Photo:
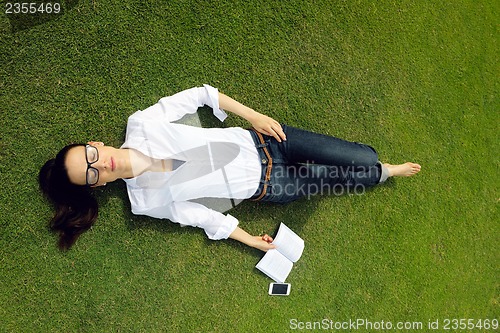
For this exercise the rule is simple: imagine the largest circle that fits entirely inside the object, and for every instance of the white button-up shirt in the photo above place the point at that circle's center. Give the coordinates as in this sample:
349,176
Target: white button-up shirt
218,164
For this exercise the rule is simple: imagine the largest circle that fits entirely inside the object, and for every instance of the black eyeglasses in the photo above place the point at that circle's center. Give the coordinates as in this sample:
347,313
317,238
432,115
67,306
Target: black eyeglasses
92,156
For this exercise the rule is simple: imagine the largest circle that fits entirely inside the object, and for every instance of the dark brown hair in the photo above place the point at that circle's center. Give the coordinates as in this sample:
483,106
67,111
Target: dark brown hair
76,209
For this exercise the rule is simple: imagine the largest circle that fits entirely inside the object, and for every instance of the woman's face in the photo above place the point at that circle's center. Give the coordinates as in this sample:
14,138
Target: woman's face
94,164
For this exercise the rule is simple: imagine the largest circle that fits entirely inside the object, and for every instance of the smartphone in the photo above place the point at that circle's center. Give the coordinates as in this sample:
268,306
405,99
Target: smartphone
281,289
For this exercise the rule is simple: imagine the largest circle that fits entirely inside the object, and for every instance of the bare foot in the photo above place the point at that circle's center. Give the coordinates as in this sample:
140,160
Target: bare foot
403,170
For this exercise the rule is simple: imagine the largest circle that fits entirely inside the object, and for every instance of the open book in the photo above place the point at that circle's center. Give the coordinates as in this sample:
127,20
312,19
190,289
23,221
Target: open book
277,263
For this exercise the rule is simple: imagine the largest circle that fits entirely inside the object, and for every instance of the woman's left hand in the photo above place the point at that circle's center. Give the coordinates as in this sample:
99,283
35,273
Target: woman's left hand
262,123
268,126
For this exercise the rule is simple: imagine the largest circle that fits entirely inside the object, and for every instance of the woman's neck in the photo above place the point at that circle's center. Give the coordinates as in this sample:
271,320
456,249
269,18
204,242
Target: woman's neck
138,163
125,156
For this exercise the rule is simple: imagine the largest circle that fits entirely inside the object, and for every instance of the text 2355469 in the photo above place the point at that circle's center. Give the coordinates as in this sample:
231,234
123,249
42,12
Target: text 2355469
32,8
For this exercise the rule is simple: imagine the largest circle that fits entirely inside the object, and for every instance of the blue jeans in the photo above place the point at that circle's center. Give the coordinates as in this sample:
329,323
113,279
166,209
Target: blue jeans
308,164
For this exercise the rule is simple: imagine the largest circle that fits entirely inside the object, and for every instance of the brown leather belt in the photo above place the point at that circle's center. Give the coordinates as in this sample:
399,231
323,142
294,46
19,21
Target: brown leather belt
269,166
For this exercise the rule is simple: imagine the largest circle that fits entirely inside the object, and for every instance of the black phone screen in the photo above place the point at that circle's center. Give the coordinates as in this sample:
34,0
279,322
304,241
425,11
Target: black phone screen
280,289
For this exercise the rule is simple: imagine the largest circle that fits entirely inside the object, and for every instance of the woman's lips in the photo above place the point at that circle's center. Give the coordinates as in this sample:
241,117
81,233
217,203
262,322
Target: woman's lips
113,165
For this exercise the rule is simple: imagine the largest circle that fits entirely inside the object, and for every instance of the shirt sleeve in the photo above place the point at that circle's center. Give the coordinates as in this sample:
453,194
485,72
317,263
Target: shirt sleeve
175,107
216,225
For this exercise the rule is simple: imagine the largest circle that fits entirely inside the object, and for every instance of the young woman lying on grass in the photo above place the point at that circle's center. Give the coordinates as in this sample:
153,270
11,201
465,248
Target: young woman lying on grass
169,167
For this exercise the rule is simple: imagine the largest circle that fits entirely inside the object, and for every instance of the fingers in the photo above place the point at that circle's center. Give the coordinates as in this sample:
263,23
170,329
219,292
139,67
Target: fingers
267,238
268,126
264,243
267,246
275,130
270,247
280,133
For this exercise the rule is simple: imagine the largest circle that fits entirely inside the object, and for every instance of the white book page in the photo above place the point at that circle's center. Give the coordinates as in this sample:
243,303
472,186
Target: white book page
275,265
289,243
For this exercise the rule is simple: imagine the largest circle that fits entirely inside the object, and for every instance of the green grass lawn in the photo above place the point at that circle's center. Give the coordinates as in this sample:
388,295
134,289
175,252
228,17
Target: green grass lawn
418,80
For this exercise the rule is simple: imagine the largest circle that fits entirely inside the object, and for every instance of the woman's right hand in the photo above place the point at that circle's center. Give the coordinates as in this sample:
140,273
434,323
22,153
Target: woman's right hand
263,243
